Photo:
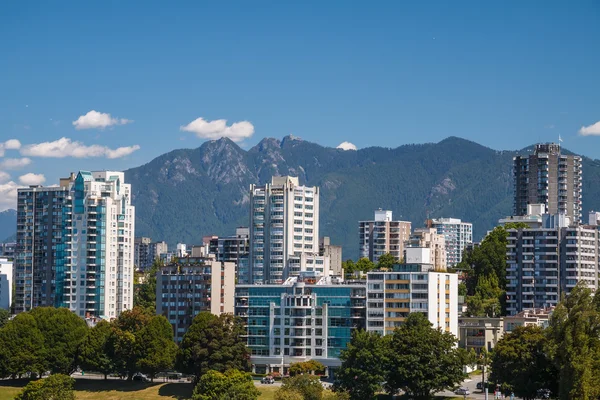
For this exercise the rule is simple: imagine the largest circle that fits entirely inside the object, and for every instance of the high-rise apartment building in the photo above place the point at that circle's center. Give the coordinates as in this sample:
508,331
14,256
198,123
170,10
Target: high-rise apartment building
412,287
429,238
548,261
193,285
43,214
383,235
142,259
234,249
75,245
550,178
457,235
156,250
6,280
284,223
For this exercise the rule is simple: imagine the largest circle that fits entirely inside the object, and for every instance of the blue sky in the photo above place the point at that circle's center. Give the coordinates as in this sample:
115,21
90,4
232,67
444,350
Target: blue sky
504,74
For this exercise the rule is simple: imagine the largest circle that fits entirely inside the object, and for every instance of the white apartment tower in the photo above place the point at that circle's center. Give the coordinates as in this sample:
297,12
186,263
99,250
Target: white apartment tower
383,235
457,235
99,272
284,224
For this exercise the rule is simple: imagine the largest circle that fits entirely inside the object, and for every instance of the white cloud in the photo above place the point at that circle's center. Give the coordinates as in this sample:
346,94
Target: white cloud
8,195
32,179
15,163
65,147
592,130
218,128
12,144
4,176
98,120
346,146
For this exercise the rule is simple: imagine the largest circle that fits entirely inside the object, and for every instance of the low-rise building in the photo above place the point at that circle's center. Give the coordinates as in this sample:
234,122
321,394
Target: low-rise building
307,317
193,285
534,317
479,333
408,288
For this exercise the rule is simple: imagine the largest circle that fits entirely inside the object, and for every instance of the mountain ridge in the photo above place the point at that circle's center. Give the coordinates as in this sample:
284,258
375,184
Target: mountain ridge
189,193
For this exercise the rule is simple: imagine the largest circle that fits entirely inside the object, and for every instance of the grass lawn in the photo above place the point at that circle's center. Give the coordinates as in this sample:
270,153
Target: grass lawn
88,389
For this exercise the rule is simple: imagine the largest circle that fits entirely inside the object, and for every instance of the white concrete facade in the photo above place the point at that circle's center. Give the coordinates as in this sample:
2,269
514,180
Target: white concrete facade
284,222
383,235
457,235
392,296
6,281
99,273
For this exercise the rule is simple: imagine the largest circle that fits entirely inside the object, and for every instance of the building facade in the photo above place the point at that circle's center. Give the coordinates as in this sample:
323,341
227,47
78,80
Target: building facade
429,238
458,235
411,288
235,249
479,333
75,245
6,280
284,222
7,250
545,263
157,249
307,317
333,253
383,235
550,178
191,286
142,259
42,245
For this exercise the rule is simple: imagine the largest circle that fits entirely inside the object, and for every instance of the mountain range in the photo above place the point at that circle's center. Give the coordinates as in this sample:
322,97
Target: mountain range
185,194
188,193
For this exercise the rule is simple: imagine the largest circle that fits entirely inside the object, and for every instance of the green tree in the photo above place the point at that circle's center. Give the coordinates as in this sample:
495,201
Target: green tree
22,345
4,316
309,386
486,301
125,344
232,384
215,343
307,367
54,387
386,262
94,353
157,349
287,394
365,265
520,363
349,267
63,333
423,360
145,292
364,365
574,344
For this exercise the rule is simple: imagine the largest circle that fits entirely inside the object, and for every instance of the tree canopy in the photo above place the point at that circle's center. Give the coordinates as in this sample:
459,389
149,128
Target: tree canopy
213,343
364,365
386,262
232,384
157,350
145,293
423,360
63,333
520,362
94,352
574,344
54,387
22,348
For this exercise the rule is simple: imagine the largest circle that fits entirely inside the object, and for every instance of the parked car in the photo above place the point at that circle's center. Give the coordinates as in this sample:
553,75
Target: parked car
462,391
141,378
482,385
267,380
